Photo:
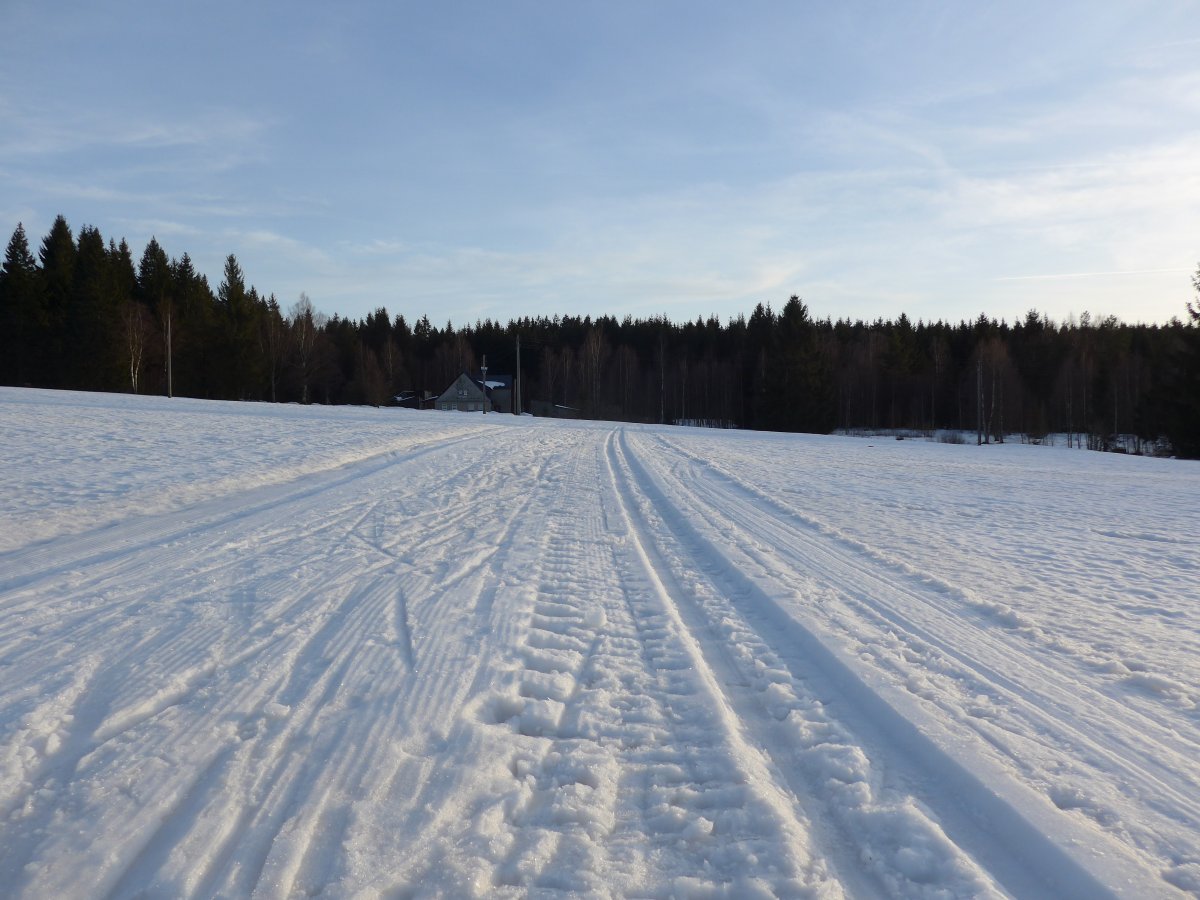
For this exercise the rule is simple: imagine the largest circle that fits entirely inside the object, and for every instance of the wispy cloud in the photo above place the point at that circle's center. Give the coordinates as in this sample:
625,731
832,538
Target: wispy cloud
1112,192
35,133
868,159
1061,275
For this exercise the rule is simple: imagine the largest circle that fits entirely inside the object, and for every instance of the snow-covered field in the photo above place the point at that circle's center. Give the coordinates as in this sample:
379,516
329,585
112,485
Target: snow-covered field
284,651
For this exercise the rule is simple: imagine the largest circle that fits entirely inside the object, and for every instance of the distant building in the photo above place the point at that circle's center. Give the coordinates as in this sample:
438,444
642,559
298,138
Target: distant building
500,392
469,394
465,395
415,399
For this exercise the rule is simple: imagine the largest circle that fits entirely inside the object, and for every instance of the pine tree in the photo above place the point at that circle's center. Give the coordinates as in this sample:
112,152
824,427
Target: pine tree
57,276
799,385
238,316
22,313
93,319
193,332
155,289
759,350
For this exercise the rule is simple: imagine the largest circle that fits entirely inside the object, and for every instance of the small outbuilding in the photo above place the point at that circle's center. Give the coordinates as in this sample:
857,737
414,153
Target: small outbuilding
414,399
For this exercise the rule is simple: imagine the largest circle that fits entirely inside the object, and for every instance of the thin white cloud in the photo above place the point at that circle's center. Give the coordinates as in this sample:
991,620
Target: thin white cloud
1142,185
894,160
1060,275
159,228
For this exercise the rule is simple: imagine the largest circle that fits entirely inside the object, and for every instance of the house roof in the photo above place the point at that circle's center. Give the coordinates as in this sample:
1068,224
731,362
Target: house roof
464,387
497,382
474,388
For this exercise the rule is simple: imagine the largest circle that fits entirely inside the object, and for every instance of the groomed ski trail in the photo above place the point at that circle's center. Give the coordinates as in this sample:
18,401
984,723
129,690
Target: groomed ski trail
522,658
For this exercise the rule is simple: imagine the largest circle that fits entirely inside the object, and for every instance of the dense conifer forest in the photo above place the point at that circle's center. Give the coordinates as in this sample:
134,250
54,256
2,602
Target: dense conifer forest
84,314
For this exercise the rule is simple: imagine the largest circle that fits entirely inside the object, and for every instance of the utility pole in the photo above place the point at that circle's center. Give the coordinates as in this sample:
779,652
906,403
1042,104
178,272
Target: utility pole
485,396
662,373
979,401
170,386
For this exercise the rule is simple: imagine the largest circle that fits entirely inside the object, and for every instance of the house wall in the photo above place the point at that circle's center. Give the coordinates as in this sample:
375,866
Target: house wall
462,405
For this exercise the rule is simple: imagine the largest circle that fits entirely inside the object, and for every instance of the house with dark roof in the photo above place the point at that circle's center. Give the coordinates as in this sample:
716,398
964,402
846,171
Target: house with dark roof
468,394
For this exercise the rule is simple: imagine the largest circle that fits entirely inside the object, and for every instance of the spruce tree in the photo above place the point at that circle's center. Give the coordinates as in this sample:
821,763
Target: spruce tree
93,320
238,322
799,384
22,312
193,331
154,285
57,275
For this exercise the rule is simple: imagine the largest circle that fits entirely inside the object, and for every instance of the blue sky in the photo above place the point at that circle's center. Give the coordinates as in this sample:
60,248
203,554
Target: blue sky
472,160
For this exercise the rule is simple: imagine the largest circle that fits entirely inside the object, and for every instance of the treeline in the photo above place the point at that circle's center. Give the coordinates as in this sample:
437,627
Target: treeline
83,314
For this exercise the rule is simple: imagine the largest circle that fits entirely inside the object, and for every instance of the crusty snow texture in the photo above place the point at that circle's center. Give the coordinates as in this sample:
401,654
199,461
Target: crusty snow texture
251,650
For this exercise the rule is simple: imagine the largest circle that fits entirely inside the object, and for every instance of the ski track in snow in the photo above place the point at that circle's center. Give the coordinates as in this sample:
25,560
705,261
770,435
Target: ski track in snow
430,655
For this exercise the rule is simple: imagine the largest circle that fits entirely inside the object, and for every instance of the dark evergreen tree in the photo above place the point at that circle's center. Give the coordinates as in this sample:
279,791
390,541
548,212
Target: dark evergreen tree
23,321
799,383
760,348
193,332
57,275
155,287
93,335
237,324
1037,355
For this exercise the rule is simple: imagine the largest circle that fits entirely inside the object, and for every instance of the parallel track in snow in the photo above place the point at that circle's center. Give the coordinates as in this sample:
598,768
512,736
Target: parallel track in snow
713,678
783,573
293,610
1052,724
554,660
47,559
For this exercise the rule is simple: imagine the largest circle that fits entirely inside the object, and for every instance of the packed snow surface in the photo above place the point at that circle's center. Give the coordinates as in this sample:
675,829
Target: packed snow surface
251,650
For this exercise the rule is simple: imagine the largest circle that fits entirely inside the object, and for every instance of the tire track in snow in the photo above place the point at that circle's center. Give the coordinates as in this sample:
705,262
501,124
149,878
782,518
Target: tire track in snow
449,606
30,565
237,694
468,622
164,723
617,781
284,851
923,591
877,847
466,873
773,797
225,562
1039,731
973,805
212,556
547,831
